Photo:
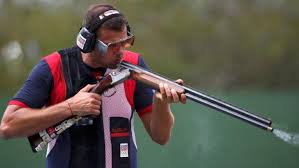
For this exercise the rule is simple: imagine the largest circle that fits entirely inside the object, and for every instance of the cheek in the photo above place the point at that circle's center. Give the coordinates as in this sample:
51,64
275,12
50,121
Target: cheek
104,57
99,57
111,51
109,56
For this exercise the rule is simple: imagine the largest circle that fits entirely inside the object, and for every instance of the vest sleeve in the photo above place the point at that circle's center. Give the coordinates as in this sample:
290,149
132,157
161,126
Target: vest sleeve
143,96
35,91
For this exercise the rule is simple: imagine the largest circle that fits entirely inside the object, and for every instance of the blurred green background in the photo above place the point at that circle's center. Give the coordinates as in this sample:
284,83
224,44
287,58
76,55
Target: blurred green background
242,51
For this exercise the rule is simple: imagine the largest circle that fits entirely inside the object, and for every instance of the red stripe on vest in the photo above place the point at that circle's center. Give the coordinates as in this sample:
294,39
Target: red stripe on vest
58,92
147,109
130,84
119,134
18,103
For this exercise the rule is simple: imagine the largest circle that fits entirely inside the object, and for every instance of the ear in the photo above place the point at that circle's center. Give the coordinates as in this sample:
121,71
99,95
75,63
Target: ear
85,40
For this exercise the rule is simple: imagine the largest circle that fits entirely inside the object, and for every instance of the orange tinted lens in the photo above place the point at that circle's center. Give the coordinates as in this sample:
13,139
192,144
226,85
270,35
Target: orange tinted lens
125,43
128,43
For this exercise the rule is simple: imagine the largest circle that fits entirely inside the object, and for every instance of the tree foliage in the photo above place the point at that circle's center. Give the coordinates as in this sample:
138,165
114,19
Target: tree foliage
209,43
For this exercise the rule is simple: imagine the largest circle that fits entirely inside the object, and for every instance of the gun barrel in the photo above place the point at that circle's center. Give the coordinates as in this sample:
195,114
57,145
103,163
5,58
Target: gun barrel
229,112
227,106
152,79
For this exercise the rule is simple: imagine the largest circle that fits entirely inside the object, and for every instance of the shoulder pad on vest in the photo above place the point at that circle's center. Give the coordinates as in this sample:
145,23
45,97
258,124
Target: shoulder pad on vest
58,92
131,57
53,59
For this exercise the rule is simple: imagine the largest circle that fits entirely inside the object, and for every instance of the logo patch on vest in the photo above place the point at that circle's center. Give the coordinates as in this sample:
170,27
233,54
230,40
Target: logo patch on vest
124,150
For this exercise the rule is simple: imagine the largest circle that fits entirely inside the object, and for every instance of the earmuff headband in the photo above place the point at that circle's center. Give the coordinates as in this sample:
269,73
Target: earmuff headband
103,18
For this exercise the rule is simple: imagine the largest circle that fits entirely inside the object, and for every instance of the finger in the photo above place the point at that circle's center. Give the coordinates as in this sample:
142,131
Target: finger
168,92
87,88
96,107
95,96
175,96
183,98
96,102
94,110
179,81
162,90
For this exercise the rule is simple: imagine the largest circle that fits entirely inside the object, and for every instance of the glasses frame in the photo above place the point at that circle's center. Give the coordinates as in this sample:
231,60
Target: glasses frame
107,45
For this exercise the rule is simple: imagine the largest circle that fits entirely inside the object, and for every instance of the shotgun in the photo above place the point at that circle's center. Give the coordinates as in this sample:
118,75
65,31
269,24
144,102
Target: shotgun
127,70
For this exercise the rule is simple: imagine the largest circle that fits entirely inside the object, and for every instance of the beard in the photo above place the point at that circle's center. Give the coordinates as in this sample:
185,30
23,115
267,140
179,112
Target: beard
114,64
106,60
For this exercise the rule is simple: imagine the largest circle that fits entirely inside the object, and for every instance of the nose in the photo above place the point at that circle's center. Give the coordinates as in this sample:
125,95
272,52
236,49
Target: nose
118,48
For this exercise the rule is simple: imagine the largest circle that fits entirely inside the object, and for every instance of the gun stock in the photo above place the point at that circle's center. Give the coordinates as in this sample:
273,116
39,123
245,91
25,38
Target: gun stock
39,140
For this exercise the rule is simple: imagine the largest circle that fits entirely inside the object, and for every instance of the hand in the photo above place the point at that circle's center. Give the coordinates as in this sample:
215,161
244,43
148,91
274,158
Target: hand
169,95
85,103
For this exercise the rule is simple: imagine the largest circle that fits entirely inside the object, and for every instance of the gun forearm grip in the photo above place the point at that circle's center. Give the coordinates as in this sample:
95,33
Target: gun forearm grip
155,81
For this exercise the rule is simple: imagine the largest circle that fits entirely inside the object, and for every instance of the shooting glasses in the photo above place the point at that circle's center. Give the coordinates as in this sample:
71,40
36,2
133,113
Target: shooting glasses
124,43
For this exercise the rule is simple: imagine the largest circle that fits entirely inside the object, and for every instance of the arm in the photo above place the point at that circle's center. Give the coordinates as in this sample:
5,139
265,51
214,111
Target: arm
25,115
21,122
154,110
24,121
160,121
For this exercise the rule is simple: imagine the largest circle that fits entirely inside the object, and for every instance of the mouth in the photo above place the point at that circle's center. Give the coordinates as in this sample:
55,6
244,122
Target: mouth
118,60
115,63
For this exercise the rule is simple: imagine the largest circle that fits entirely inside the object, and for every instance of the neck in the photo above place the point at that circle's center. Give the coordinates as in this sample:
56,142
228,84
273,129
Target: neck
91,60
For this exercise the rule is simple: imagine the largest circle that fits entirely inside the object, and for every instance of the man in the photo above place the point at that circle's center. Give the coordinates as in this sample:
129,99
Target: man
58,88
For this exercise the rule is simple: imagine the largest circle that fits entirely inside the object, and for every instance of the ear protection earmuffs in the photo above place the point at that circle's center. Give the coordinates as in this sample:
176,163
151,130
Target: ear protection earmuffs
86,38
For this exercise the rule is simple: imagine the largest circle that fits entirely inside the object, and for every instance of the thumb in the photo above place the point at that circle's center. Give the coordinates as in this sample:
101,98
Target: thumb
87,88
180,82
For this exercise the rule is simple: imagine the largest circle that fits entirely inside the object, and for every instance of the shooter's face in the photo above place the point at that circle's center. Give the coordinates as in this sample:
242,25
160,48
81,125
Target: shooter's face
117,42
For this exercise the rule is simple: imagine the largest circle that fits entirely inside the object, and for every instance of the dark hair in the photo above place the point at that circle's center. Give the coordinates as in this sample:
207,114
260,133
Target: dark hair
115,23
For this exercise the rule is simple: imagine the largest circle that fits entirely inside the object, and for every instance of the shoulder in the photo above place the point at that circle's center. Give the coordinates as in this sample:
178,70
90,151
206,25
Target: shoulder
54,62
134,58
52,58
40,71
55,57
35,91
131,57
